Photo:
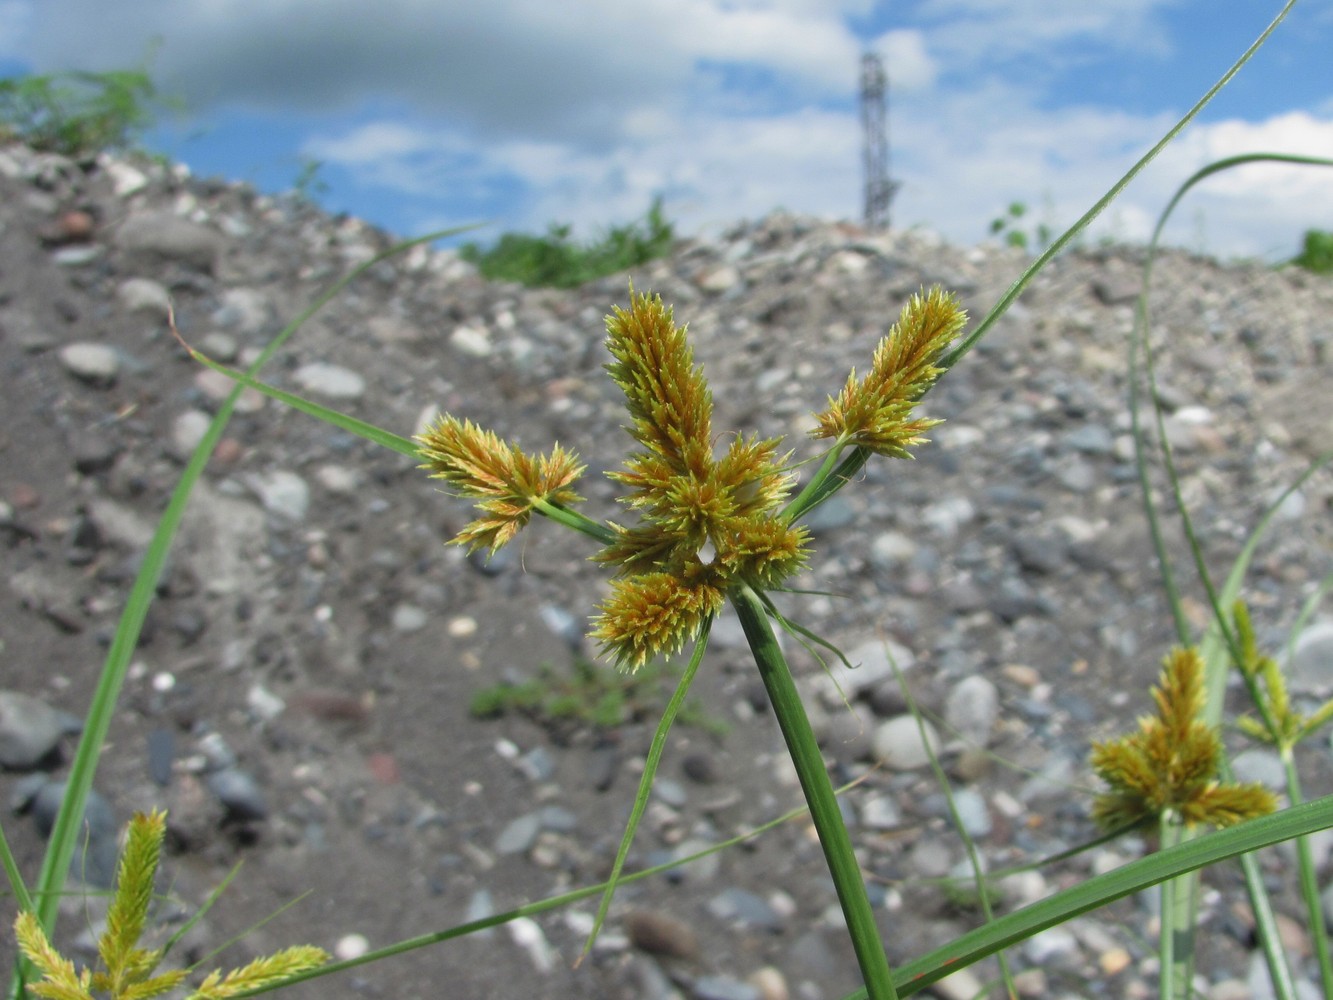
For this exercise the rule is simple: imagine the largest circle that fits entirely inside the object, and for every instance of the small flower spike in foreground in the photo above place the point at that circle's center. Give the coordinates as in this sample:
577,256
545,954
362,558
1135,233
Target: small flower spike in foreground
128,969
714,525
1169,767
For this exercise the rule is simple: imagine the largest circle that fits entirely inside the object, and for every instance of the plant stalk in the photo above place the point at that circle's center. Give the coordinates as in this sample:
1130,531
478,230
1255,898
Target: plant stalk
818,790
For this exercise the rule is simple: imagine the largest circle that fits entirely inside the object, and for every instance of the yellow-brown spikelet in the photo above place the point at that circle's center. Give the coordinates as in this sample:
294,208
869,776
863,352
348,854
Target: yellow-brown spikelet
1171,762
876,412
667,398
705,523
506,482
653,613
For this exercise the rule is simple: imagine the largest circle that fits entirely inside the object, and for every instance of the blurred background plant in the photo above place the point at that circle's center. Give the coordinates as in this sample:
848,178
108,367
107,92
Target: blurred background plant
556,260
80,113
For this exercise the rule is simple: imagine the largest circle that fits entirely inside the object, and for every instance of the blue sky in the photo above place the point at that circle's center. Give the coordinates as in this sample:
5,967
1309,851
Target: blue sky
428,113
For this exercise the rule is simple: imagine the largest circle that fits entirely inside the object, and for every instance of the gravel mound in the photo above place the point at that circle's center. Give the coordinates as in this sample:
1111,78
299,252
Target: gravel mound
300,696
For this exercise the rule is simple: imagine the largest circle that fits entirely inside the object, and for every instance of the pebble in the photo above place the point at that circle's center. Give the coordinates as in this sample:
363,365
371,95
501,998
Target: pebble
746,908
351,946
30,730
1310,666
144,295
157,235
409,618
97,364
216,386
770,982
898,743
238,791
187,430
972,709
518,835
723,988
472,341
873,664
94,862
528,935
330,381
661,934
338,479
282,493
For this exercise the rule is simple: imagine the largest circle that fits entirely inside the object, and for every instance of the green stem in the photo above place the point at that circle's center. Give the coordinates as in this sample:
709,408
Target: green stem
818,791
827,481
1309,879
573,519
1178,915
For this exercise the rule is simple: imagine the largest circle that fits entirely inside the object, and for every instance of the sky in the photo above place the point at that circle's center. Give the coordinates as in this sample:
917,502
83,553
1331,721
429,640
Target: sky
422,114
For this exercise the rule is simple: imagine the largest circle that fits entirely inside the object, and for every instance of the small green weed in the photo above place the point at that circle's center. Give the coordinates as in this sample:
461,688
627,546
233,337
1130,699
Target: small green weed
1007,224
1316,254
589,694
78,113
557,261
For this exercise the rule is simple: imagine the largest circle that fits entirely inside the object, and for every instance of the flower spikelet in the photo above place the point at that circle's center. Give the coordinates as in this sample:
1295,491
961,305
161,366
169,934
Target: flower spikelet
61,982
1170,763
876,411
668,400
654,613
705,523
261,972
507,483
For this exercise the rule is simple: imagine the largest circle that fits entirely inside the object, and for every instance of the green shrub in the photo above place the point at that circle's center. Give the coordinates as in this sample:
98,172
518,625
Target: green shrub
1316,254
78,113
557,261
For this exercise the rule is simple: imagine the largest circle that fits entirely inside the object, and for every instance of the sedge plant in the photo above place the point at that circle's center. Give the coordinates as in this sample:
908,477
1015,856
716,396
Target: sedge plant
711,526
128,970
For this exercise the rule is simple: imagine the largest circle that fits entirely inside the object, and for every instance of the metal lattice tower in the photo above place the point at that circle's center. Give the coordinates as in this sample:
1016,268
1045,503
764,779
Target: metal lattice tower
879,189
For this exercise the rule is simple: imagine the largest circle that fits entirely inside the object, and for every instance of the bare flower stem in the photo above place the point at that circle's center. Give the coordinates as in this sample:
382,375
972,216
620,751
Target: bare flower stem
819,795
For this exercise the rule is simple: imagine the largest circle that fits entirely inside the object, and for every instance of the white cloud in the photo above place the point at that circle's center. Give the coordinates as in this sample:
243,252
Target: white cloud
906,59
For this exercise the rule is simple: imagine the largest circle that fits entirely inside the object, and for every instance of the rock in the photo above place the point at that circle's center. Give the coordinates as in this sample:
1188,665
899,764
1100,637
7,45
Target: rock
156,236
330,381
30,730
239,793
723,988
217,387
97,364
898,744
94,862
661,934
144,295
873,664
1310,666
519,834
745,908
972,709
283,493
187,430
472,341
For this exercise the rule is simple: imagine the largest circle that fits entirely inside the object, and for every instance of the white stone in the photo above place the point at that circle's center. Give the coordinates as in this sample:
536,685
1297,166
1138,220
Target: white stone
898,743
90,362
125,179
330,381
1310,667
471,340
972,708
283,493
187,430
351,946
144,295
